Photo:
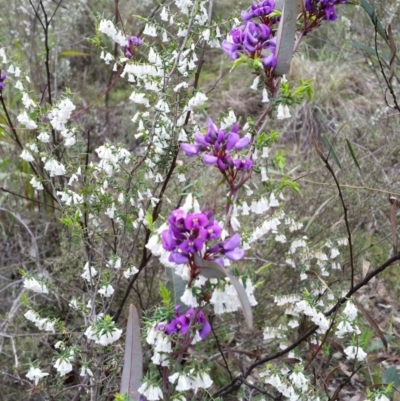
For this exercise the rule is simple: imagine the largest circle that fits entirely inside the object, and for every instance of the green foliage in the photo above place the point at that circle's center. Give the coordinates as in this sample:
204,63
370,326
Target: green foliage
165,295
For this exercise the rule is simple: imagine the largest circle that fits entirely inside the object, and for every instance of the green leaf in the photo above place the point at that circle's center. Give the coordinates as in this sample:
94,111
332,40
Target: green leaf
317,212
331,150
237,62
73,53
280,160
176,287
165,295
391,375
370,50
353,155
24,299
374,19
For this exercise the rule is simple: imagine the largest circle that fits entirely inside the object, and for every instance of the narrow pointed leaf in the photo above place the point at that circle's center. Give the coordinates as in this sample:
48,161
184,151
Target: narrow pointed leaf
372,322
353,155
393,51
176,287
374,18
317,212
286,37
331,150
132,372
73,53
393,225
211,269
370,50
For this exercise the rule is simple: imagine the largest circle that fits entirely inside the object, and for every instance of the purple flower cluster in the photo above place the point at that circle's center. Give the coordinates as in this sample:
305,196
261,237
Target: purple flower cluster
180,324
3,77
216,146
259,10
326,8
191,233
257,40
133,42
252,40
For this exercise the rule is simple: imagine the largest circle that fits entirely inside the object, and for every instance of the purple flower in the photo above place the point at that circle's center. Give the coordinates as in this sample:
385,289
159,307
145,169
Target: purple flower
205,327
190,150
133,42
181,324
191,234
178,258
323,8
245,164
269,61
168,241
210,159
213,230
3,77
259,10
230,248
230,49
196,220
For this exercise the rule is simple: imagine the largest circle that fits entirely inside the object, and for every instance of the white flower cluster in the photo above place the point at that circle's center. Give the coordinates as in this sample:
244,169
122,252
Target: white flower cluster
35,374
106,290
60,114
70,197
283,386
225,299
151,392
36,183
54,167
63,364
317,317
355,352
108,28
103,336
346,324
24,119
88,272
161,344
32,284
111,157
41,323
191,381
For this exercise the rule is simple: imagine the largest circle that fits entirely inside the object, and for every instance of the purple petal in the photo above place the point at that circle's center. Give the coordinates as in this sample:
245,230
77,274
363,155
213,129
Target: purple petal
214,231
210,159
201,139
233,138
168,240
198,244
171,327
190,150
205,330
235,255
269,61
196,220
230,49
221,165
178,258
231,243
242,143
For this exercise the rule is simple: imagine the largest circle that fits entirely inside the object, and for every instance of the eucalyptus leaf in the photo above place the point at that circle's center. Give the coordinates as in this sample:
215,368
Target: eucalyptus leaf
210,269
132,372
176,287
286,36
